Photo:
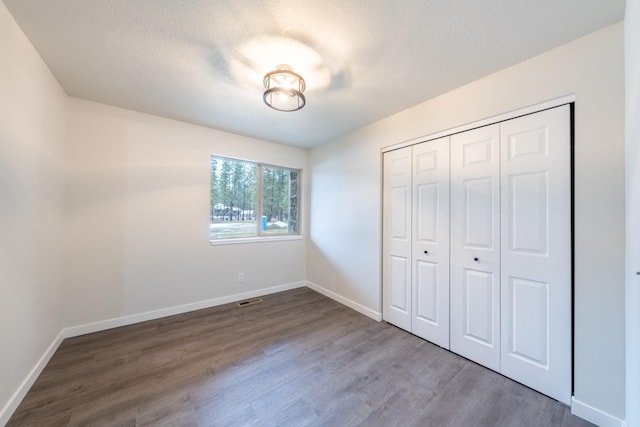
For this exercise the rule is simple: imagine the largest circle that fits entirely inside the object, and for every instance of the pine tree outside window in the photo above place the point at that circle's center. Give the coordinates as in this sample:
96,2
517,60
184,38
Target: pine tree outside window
251,200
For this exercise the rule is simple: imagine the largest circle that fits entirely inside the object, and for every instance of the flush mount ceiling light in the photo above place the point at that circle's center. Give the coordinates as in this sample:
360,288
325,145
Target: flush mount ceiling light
284,89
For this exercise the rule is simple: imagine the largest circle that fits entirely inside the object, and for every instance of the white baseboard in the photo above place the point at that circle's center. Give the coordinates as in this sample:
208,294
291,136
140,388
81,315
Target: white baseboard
102,325
578,408
10,407
170,311
594,415
32,376
346,301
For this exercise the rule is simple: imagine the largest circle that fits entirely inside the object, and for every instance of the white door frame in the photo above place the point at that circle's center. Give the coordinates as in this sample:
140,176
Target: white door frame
569,99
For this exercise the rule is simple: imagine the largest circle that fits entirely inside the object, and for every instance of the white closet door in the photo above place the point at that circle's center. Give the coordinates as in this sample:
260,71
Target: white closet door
536,251
396,238
430,290
475,245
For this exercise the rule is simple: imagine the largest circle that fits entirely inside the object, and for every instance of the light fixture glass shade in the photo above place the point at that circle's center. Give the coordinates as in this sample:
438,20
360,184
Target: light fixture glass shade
284,89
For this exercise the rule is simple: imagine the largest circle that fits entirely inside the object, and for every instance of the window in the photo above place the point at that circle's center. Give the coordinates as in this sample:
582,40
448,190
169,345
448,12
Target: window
252,200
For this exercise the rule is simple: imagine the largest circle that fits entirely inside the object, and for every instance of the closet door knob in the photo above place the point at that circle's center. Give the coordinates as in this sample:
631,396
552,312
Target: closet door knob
426,252
476,259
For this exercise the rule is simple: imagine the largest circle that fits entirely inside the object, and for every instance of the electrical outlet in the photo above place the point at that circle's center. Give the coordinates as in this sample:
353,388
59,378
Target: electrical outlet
240,277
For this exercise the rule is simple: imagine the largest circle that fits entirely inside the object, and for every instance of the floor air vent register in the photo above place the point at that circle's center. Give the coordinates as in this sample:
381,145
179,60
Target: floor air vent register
249,302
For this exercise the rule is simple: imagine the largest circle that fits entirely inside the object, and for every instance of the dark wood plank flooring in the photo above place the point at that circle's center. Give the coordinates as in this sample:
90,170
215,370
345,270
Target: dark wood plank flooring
295,359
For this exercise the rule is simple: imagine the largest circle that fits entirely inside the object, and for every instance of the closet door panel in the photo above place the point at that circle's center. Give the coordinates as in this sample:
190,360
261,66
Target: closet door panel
479,201
427,292
396,235
475,245
478,310
430,292
536,251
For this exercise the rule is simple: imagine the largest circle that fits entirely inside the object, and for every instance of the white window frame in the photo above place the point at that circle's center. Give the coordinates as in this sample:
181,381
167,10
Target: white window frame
261,235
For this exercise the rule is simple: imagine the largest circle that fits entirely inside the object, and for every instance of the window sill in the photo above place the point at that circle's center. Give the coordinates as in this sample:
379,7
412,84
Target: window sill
261,239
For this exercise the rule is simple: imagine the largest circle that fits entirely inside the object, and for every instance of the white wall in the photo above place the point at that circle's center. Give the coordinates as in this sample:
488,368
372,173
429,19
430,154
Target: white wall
104,214
137,216
135,206
632,80
344,245
32,134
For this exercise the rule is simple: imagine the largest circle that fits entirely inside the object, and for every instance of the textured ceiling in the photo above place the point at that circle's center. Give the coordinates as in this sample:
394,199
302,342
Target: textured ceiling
202,61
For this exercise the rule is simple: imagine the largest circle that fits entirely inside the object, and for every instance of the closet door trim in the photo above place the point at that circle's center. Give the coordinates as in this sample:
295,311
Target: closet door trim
557,102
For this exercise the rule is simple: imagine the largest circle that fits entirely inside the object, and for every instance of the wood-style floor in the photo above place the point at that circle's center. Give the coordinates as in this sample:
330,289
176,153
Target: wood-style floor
295,359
